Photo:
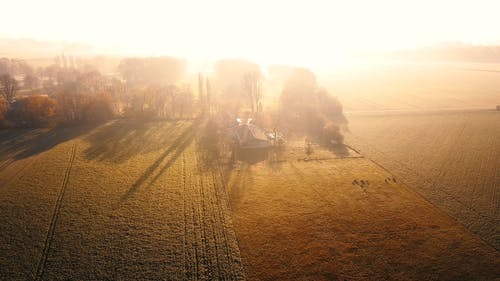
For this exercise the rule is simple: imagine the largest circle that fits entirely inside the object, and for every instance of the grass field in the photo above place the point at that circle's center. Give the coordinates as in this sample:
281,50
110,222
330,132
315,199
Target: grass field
136,201
417,86
120,202
452,159
316,220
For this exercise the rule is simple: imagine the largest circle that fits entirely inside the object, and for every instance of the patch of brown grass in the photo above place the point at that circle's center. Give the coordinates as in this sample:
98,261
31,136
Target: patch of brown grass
308,221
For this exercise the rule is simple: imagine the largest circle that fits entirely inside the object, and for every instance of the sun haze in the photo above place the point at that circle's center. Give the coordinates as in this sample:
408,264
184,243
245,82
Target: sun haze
312,33
249,140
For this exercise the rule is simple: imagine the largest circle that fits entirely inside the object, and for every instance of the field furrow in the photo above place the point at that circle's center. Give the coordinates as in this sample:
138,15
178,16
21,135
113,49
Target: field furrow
137,208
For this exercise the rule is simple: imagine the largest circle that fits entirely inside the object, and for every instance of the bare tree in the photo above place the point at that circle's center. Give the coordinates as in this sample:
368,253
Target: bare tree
200,91
209,95
252,85
8,87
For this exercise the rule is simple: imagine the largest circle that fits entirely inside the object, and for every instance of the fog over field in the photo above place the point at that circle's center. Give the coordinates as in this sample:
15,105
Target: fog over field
249,140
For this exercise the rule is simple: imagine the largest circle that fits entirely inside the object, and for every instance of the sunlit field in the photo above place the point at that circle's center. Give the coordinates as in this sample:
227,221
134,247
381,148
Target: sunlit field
136,200
141,208
249,140
347,218
416,86
451,158
411,192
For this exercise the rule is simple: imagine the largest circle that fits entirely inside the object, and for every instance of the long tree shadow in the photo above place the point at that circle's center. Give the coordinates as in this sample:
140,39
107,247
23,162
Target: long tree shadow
124,139
174,151
22,143
238,181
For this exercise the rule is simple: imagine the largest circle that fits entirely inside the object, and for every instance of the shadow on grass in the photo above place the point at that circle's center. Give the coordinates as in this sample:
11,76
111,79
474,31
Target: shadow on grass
121,140
340,150
175,149
276,158
252,156
23,143
237,181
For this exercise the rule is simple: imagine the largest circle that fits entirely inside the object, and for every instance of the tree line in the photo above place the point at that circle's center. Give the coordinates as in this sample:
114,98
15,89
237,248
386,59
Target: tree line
146,88
63,93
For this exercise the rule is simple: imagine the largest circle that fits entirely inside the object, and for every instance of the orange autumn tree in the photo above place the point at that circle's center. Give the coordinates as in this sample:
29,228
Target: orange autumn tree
3,110
38,110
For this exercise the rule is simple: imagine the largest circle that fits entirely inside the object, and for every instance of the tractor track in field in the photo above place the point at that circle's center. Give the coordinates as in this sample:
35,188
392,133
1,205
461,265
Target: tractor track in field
221,201
210,249
50,233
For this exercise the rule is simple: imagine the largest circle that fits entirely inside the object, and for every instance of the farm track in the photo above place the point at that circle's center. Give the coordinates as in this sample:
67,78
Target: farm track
50,233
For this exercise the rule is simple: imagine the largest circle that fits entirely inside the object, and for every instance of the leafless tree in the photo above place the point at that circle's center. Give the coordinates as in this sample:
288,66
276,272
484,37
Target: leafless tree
8,87
252,85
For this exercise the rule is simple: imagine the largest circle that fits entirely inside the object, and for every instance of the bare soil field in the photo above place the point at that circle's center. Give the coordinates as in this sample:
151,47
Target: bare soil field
119,202
451,158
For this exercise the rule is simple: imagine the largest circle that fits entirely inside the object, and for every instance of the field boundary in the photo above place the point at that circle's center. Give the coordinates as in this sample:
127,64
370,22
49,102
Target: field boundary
50,233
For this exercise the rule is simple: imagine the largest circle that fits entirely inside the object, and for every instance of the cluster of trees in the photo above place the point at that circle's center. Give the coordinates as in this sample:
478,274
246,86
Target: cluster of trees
69,91
63,93
309,109
238,84
304,108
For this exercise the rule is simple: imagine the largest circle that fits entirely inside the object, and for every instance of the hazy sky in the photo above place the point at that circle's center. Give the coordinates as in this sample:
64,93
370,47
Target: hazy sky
306,32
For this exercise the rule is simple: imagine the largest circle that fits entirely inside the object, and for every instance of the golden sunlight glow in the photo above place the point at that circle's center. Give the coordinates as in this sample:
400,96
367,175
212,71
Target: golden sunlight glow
310,32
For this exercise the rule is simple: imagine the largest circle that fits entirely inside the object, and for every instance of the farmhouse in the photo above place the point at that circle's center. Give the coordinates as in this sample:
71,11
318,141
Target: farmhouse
248,136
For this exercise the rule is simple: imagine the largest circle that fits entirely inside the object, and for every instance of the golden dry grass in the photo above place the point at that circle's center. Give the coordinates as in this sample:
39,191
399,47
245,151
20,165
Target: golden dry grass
135,201
453,159
306,220
136,206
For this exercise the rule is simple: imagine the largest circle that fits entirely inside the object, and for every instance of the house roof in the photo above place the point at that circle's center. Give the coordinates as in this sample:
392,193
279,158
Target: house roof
250,135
